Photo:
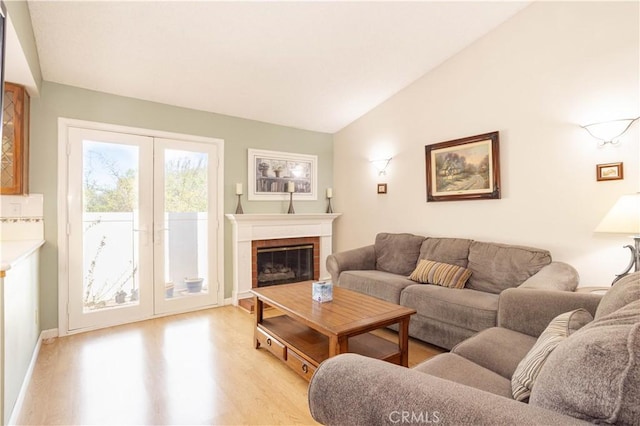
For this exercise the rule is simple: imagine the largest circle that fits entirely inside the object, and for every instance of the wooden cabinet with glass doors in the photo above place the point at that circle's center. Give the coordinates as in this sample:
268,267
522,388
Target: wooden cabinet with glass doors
15,140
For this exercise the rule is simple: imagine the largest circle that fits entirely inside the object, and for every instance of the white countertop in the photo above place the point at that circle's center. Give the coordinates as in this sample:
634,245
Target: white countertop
12,252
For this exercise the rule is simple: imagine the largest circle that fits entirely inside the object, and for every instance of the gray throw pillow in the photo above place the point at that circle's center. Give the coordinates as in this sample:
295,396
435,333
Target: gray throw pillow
595,374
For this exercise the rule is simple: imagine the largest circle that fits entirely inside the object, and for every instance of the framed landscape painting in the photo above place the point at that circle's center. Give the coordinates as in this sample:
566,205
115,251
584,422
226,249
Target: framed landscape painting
464,169
270,173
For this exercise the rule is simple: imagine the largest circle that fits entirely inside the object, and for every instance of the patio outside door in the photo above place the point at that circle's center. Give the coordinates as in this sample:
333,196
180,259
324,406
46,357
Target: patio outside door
142,227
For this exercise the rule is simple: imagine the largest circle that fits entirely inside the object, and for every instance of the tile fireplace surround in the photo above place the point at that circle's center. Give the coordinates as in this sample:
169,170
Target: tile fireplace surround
252,227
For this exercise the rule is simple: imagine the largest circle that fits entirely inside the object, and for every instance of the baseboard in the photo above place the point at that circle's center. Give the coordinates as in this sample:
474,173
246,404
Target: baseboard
49,334
44,334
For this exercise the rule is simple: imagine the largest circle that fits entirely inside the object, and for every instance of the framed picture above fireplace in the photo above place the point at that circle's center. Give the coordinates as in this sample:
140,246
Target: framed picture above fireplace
270,173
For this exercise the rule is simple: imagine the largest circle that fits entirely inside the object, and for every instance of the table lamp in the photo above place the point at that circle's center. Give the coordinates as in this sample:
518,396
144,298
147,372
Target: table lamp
624,218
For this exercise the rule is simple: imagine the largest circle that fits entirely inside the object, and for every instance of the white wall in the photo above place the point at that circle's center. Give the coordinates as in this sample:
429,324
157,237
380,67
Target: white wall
536,78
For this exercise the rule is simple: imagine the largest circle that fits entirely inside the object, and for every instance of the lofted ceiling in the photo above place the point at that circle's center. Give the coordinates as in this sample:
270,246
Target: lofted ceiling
311,65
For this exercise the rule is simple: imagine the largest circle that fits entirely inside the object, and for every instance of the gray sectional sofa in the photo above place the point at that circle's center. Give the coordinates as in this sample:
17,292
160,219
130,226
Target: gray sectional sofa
592,375
446,316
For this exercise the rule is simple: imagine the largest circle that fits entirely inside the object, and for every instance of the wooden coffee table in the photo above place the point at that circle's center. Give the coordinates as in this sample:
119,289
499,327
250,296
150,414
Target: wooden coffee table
308,332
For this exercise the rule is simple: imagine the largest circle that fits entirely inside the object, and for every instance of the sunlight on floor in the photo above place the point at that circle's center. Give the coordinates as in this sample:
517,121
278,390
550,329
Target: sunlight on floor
196,368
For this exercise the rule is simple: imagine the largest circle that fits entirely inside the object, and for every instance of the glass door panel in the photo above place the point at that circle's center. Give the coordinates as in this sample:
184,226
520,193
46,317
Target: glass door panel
183,252
186,227
109,218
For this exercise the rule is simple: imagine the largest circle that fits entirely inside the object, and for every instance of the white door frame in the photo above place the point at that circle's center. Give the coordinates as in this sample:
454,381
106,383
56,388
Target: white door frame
63,212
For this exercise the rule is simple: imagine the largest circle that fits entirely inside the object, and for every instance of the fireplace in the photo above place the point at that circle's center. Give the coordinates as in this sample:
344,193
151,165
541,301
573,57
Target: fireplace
284,260
252,230
282,265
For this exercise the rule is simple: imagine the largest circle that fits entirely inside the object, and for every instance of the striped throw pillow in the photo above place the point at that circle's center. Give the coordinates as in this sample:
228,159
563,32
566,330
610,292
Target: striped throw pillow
444,274
558,330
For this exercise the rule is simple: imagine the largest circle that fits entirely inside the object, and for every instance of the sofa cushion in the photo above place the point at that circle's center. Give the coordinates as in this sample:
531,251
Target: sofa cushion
470,309
594,375
397,253
625,291
454,251
436,332
460,370
498,349
444,274
559,329
383,285
496,267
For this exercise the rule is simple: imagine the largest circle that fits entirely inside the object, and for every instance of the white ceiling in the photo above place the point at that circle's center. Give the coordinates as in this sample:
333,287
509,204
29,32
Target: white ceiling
310,65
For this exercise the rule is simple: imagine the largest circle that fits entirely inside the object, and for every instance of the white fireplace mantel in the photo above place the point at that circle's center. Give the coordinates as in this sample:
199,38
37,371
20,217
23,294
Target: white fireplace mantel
250,227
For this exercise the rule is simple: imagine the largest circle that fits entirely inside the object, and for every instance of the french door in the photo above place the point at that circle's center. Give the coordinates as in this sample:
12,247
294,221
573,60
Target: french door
142,227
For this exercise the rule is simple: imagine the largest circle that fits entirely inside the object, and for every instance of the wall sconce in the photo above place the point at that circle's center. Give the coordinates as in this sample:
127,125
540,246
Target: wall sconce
381,165
608,131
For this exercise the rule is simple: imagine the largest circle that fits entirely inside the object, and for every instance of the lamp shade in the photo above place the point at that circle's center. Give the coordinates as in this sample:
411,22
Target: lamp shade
608,131
623,218
381,165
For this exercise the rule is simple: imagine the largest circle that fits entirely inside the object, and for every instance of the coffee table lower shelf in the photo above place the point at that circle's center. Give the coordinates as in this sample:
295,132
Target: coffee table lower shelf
303,348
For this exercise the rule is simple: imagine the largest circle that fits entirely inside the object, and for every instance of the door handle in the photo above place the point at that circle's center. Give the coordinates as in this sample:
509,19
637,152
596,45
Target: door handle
143,231
160,235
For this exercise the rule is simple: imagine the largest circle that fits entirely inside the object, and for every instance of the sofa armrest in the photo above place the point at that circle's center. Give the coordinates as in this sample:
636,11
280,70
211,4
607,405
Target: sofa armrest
554,276
354,390
529,311
360,259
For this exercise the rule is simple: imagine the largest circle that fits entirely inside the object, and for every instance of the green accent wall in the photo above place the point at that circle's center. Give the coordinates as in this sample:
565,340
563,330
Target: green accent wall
58,100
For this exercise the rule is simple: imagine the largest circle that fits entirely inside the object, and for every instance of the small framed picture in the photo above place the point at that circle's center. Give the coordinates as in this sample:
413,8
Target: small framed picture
609,171
382,188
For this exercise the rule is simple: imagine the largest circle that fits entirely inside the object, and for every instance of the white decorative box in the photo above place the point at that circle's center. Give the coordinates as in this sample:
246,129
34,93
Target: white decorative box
322,291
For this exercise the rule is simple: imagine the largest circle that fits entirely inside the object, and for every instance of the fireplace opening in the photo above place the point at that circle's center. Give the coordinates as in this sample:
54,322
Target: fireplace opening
286,264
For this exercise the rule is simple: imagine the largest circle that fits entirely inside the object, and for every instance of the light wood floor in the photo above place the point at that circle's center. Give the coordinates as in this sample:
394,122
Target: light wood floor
196,368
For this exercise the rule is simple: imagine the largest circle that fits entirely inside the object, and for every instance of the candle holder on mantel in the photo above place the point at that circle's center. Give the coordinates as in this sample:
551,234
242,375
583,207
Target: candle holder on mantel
239,206
329,208
291,210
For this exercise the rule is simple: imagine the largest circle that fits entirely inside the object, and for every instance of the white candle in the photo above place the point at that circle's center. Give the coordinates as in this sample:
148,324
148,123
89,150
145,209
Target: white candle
329,193
291,187
238,189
